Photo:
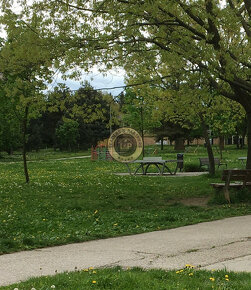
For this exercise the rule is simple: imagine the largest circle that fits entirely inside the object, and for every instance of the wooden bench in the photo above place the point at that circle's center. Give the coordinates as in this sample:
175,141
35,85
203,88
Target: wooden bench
241,175
205,162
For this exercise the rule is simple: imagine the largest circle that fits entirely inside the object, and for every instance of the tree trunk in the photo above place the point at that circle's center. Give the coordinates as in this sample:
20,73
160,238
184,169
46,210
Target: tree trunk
237,140
25,121
248,164
10,151
209,149
161,143
221,145
179,144
243,140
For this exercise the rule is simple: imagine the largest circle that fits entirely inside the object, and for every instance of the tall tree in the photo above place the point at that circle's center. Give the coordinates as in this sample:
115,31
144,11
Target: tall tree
25,62
210,35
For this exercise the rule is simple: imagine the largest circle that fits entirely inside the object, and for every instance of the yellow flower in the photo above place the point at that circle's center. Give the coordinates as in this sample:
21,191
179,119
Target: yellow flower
115,224
177,272
94,282
91,268
85,270
212,279
226,276
227,279
96,211
190,274
94,272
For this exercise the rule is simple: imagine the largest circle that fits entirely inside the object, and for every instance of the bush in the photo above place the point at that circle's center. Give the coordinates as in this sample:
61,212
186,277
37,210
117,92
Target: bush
192,167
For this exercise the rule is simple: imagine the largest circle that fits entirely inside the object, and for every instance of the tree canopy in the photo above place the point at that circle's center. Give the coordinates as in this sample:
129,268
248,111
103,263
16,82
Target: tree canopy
165,38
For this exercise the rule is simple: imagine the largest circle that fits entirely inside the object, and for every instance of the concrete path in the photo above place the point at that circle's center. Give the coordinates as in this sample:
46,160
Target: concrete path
211,245
178,174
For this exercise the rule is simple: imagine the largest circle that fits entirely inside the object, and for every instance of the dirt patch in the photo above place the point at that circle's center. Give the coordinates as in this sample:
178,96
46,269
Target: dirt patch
195,201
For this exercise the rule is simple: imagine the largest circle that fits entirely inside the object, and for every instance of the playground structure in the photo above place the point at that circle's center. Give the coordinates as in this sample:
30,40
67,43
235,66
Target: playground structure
100,152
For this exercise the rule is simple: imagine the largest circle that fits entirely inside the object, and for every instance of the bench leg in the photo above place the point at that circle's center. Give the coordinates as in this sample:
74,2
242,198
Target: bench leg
140,167
226,194
128,168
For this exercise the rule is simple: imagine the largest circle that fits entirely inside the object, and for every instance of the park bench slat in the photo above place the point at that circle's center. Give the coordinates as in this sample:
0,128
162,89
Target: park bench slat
204,161
154,159
242,175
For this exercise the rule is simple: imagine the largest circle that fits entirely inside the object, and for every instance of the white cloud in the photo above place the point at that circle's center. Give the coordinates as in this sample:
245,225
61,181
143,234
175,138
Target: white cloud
97,80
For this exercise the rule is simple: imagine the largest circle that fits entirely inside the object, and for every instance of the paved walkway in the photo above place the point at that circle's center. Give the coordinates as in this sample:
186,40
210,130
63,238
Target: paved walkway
178,174
211,245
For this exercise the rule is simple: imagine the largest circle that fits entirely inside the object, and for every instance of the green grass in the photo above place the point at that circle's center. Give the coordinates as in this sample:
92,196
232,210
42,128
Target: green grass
78,200
43,154
130,279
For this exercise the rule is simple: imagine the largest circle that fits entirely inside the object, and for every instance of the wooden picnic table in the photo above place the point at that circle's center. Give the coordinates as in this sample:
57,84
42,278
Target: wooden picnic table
158,162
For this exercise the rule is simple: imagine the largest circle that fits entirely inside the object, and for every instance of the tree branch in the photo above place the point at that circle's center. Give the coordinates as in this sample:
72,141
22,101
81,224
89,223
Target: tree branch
248,6
243,22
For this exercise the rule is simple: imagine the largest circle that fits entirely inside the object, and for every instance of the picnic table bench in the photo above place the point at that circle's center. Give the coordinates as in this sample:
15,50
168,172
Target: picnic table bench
159,163
204,161
241,175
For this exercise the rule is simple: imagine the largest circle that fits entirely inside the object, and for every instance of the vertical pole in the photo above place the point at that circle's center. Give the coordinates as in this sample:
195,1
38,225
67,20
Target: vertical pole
142,129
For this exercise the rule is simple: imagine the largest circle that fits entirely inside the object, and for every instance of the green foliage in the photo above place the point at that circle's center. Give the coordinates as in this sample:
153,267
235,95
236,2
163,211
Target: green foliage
67,134
137,111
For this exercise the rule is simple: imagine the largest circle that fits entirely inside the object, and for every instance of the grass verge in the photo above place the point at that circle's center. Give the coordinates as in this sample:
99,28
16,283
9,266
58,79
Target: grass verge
135,278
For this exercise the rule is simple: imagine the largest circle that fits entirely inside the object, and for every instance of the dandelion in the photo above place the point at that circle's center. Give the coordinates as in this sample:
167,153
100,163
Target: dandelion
115,224
94,272
91,268
53,286
94,282
190,274
226,276
85,270
212,279
227,279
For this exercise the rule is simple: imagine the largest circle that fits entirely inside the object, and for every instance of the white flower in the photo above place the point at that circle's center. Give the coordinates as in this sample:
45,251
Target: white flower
53,286
33,288
15,288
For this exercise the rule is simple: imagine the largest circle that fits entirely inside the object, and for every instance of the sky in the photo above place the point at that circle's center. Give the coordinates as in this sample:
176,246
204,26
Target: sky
113,78
97,81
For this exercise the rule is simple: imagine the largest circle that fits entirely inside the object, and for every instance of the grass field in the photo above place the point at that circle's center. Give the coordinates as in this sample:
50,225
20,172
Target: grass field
78,200
130,279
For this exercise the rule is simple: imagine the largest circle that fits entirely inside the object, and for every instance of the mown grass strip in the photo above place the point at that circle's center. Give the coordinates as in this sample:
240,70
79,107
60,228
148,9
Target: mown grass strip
136,278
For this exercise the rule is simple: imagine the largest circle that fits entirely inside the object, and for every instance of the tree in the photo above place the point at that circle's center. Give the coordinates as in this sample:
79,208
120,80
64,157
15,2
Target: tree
96,113
137,112
205,35
67,134
25,62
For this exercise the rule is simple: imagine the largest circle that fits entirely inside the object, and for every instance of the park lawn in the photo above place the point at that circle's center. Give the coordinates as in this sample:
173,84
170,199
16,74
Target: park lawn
78,200
117,278
43,154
